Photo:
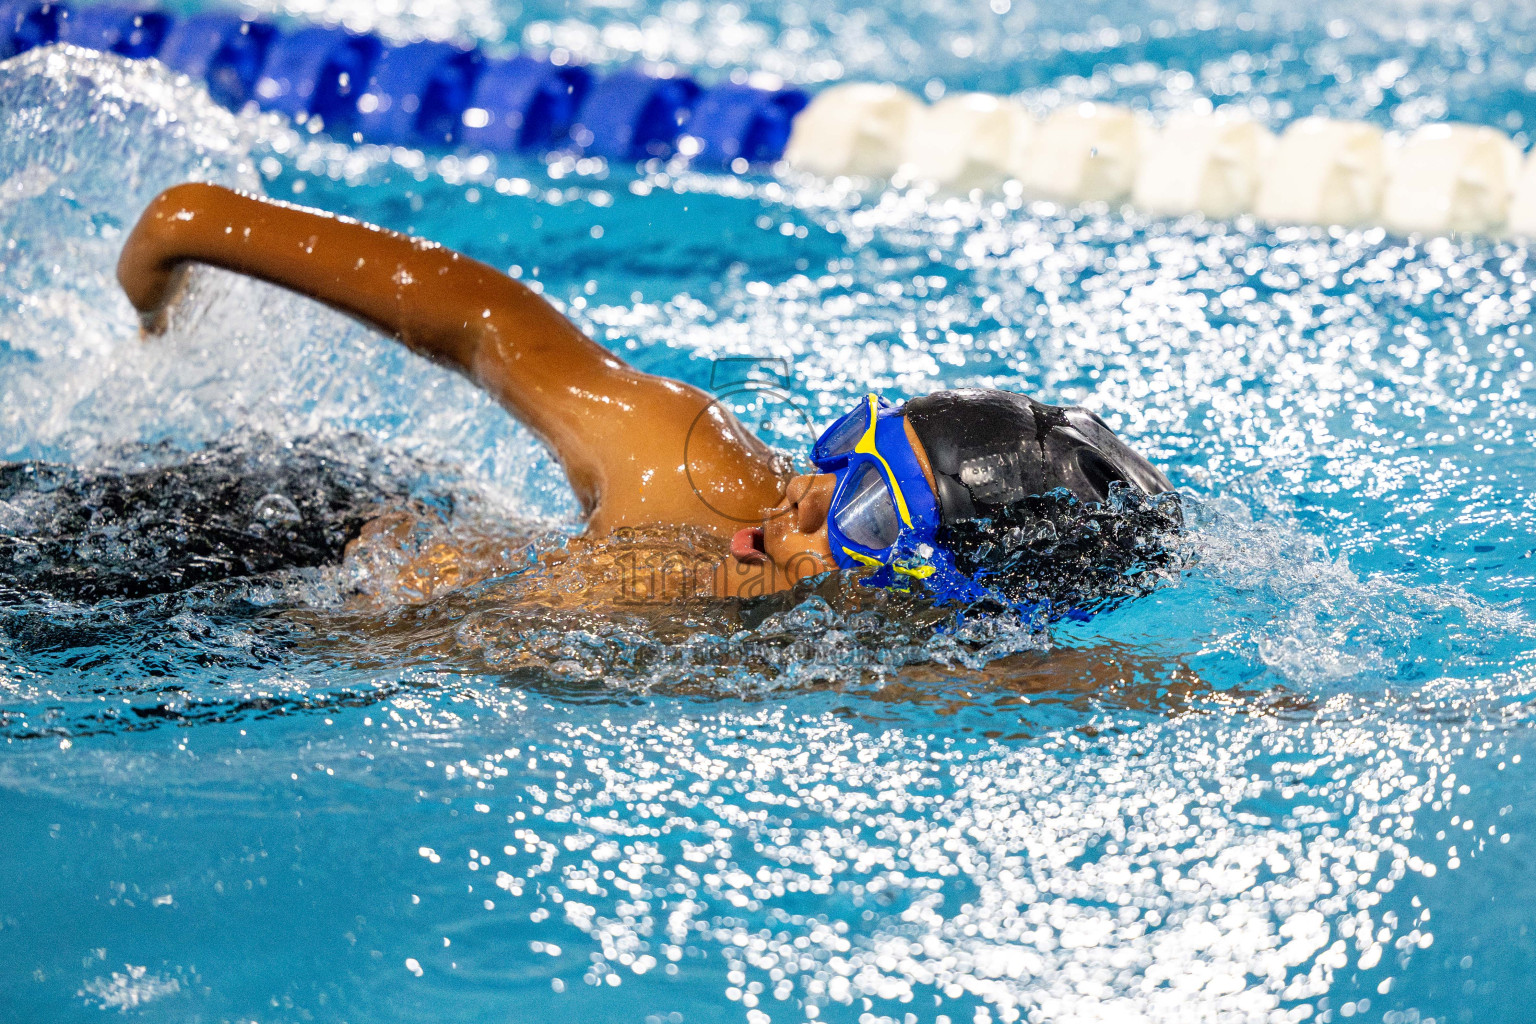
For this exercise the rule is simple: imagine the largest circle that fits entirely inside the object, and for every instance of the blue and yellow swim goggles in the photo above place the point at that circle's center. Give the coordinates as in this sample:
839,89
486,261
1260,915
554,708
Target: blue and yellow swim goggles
884,514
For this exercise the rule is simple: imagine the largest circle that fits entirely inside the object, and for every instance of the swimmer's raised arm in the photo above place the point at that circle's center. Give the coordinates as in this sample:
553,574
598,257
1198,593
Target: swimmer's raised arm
623,436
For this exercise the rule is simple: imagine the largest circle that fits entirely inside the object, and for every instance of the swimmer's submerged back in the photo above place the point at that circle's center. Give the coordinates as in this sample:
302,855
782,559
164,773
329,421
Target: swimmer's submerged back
159,521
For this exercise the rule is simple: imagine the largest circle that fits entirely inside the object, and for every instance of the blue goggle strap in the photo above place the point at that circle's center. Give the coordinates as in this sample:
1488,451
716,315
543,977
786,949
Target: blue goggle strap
885,446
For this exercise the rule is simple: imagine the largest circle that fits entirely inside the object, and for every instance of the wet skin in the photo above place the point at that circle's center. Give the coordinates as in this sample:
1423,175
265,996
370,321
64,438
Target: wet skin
794,537
639,450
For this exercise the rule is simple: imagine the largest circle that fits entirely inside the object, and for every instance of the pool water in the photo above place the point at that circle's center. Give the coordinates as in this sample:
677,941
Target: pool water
1293,783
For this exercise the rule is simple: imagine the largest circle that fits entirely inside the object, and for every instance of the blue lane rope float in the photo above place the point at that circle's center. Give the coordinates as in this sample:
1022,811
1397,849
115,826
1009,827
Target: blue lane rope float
629,115
428,94
226,51
1436,179
736,126
25,25
523,104
317,71
418,94
136,32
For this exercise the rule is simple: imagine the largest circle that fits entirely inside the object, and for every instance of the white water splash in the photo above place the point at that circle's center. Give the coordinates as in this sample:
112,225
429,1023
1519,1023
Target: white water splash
86,140
128,989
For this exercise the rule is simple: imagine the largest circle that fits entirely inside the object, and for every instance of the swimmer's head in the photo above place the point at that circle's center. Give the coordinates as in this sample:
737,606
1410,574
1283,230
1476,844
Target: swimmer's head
967,487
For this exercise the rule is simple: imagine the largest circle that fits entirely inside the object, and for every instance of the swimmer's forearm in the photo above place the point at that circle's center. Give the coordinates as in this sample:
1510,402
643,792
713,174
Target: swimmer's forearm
446,306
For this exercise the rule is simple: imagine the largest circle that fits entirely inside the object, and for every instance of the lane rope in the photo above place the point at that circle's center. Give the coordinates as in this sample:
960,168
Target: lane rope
1438,179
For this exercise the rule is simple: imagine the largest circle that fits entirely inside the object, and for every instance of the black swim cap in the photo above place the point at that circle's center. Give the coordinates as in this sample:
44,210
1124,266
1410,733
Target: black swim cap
992,449
1044,503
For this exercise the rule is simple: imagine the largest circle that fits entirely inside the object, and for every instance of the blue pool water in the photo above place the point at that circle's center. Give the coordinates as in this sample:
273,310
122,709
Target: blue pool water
1292,784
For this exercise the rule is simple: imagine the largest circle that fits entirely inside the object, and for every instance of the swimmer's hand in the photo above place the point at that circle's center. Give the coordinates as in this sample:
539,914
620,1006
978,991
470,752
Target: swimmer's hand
162,290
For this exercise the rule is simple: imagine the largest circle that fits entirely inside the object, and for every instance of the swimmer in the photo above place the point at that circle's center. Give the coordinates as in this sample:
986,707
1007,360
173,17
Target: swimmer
914,493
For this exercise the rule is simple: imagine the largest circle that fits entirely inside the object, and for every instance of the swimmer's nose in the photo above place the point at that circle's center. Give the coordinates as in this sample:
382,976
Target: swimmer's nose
809,497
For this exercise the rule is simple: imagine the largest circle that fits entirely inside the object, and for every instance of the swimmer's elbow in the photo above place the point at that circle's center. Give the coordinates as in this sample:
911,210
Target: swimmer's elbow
522,338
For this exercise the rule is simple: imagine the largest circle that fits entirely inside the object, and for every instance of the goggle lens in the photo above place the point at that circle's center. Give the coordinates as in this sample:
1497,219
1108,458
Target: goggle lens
867,516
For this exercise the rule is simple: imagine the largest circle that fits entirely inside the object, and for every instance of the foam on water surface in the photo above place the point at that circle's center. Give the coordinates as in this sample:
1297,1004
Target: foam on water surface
1289,784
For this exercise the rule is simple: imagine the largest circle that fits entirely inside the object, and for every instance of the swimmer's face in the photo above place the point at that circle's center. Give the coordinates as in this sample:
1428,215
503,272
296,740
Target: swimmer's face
792,543
795,534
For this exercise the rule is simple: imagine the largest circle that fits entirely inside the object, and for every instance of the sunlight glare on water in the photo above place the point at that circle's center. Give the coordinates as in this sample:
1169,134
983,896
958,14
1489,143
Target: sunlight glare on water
1290,784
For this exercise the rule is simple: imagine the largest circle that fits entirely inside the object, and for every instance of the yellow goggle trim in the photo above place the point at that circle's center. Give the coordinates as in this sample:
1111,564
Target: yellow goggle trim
866,446
917,572
862,558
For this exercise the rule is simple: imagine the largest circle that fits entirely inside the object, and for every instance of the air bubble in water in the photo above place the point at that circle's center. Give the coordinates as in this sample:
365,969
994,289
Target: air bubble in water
276,510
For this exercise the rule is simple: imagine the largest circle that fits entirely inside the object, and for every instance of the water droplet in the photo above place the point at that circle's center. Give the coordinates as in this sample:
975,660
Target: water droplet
275,510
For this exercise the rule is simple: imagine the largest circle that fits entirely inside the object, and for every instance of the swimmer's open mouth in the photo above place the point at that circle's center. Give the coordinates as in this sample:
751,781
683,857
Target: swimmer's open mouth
747,545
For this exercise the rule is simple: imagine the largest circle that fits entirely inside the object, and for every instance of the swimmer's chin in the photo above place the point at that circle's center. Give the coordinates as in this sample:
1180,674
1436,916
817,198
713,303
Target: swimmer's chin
766,572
